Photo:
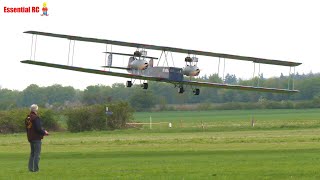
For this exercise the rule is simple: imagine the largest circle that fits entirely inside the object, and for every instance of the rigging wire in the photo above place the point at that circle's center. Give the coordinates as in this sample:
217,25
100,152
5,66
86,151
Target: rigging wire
160,58
35,48
69,51
259,75
111,57
105,58
219,67
172,59
294,73
254,72
224,68
289,78
166,57
74,42
31,47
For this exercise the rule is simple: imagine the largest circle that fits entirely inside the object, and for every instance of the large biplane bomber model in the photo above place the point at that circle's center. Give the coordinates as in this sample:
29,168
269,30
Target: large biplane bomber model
142,67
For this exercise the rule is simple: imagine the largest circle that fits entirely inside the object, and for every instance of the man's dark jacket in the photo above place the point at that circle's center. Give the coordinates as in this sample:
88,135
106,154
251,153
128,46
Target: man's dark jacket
33,127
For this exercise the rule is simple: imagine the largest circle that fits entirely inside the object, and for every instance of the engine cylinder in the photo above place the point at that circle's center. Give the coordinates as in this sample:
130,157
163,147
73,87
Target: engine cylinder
137,53
191,71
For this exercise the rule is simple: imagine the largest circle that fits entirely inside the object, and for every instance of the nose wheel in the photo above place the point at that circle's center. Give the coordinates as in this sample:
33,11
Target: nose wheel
180,90
196,91
145,85
129,83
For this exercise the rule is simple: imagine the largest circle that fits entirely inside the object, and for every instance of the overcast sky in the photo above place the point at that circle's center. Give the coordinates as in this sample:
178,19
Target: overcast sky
285,30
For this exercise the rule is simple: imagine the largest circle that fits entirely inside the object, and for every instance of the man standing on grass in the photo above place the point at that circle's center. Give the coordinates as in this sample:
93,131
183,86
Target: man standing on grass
35,133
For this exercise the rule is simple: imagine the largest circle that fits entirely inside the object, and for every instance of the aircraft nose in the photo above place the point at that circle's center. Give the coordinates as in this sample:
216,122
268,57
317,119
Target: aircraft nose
198,72
145,66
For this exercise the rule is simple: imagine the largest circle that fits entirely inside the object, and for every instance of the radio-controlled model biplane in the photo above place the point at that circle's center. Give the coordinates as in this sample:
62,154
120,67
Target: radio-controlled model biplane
140,66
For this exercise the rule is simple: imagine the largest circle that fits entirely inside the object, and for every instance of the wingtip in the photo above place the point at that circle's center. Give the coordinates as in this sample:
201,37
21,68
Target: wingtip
25,61
31,32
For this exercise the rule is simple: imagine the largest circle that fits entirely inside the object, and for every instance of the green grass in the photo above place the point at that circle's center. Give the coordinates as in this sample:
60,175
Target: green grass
227,120
268,152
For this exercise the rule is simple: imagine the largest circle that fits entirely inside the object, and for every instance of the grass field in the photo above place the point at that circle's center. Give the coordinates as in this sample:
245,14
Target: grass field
227,120
284,144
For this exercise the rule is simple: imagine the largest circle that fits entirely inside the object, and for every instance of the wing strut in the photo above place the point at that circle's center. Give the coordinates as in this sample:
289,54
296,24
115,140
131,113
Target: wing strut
71,52
33,47
219,67
105,59
294,73
160,58
224,68
291,78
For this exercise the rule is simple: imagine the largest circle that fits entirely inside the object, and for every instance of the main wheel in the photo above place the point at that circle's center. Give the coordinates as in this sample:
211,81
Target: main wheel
196,91
129,83
145,85
181,90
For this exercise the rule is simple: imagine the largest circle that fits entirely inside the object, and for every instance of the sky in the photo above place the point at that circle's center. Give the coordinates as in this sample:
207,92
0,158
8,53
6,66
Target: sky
285,30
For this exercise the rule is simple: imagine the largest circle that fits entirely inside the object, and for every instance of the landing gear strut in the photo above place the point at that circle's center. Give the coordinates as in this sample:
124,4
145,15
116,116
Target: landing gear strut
129,83
180,90
196,91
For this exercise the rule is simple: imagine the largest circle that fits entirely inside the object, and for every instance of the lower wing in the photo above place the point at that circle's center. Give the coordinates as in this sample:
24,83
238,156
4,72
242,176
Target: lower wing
150,78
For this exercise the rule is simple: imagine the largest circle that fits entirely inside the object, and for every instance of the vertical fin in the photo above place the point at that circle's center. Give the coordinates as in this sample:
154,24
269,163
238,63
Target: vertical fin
130,61
151,63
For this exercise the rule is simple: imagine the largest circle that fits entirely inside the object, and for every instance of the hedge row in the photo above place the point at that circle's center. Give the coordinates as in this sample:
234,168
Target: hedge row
12,121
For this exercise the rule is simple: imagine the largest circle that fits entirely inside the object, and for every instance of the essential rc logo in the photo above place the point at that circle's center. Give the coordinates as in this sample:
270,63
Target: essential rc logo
29,9
44,10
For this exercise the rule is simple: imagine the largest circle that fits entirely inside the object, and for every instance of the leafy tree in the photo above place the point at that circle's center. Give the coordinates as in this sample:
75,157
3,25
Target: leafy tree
59,94
97,94
8,99
230,79
142,100
33,94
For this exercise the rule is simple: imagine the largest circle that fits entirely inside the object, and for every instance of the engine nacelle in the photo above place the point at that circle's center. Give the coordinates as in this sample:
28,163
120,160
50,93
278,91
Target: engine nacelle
191,71
137,64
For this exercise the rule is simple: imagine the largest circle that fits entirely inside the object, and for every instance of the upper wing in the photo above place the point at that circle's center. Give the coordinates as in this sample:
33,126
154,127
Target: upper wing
172,49
193,83
125,54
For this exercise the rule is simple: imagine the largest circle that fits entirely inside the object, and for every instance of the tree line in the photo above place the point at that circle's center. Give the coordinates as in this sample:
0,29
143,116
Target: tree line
57,96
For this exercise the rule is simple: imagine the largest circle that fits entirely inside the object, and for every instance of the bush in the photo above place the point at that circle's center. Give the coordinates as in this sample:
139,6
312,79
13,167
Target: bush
49,122
86,118
12,121
122,113
204,106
